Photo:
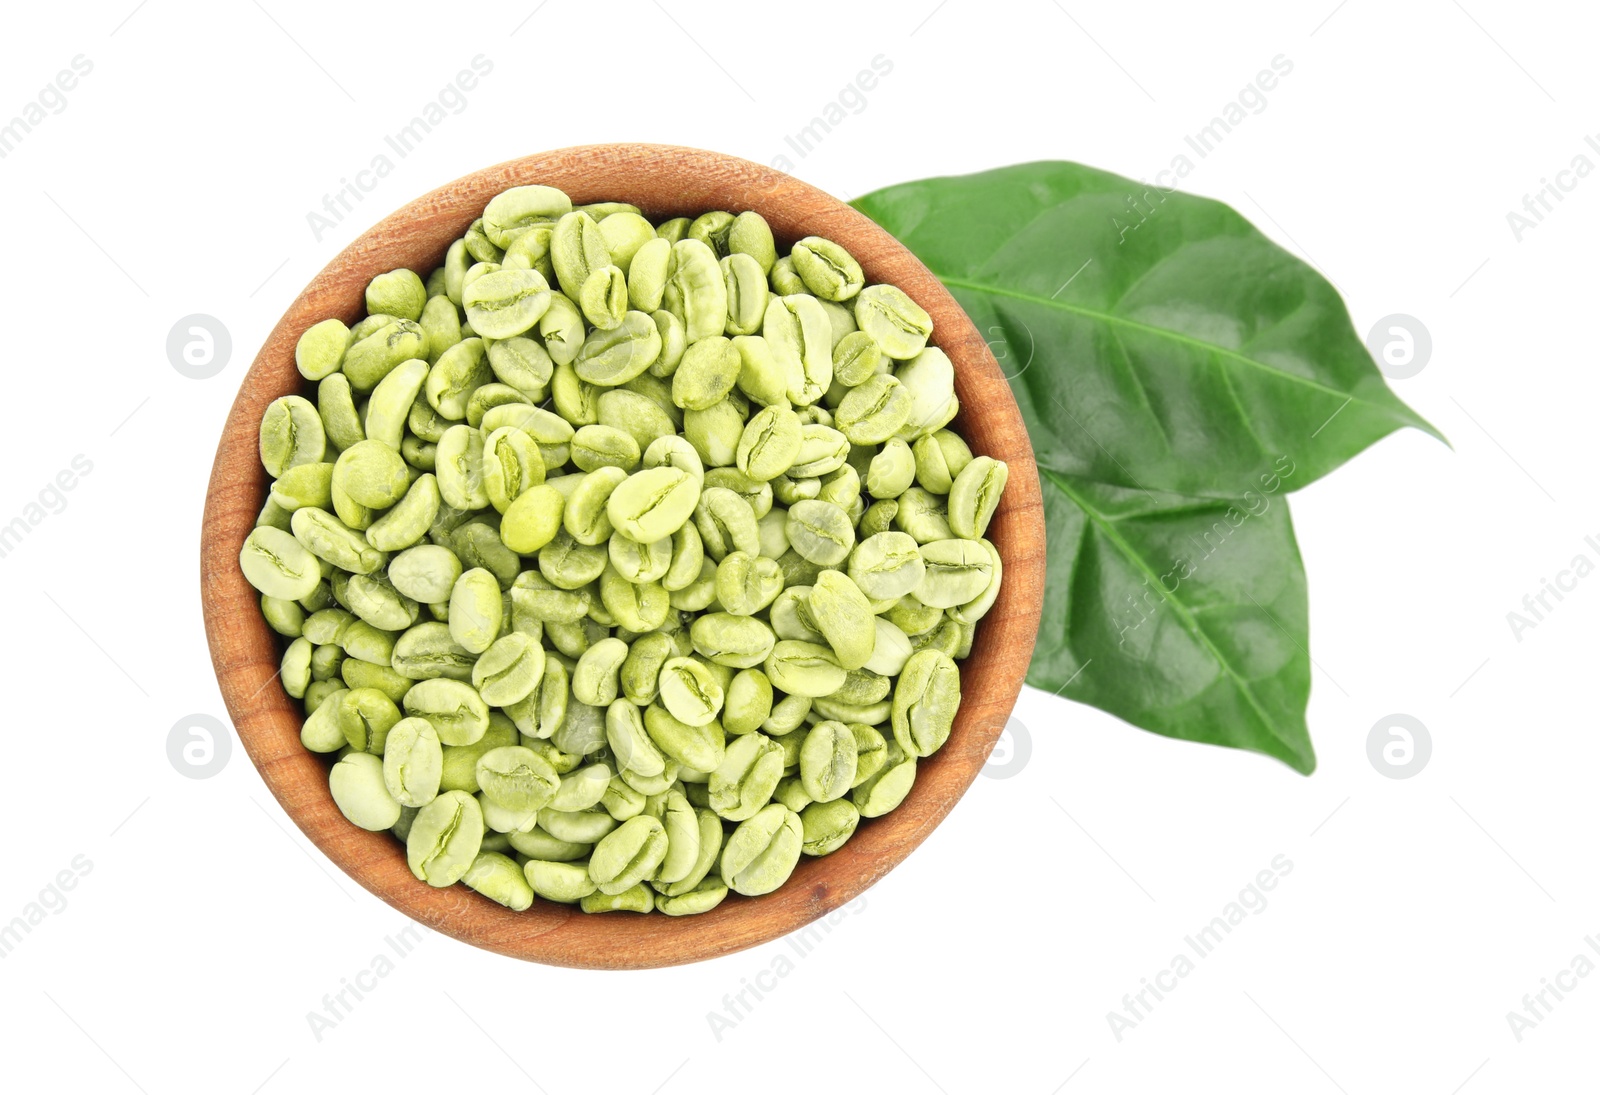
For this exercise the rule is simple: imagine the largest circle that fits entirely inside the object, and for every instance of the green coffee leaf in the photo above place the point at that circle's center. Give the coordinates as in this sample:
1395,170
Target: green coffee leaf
1154,340
1178,373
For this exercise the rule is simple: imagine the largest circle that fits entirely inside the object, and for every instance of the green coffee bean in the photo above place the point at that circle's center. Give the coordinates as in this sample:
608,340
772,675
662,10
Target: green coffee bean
875,411
770,443
921,515
445,838
763,851
974,494
538,844
599,446
888,787
801,339
695,290
458,466
499,878
617,354
510,464
506,302
321,348
595,680
690,691
698,747
726,523
476,610
409,520
820,532
413,761
304,485
842,613
577,249
745,780
356,783
427,651
516,778
940,457
827,269
278,564
825,826
628,855
893,320
370,358
748,702
332,541
585,518
955,571
828,759
747,583
637,898
509,670
567,883
930,378
707,373
567,564
365,717
925,702
291,434
397,293
514,212
562,330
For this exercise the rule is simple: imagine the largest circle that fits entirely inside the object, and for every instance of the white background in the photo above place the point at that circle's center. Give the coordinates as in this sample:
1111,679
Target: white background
1418,912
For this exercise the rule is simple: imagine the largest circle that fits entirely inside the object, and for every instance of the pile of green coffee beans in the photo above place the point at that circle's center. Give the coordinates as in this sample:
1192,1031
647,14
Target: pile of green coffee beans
622,564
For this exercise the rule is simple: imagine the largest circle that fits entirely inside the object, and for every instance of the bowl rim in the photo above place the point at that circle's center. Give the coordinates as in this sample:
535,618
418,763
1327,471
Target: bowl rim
671,180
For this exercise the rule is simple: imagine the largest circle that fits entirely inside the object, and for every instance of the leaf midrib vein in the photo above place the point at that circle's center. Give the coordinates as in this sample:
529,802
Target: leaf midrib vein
1158,332
1191,624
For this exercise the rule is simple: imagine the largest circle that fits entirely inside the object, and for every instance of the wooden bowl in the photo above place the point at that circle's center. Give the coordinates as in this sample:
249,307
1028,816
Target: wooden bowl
663,181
